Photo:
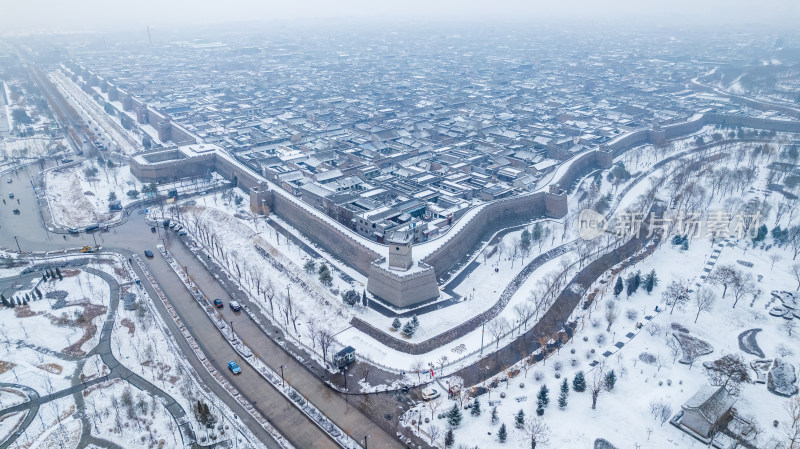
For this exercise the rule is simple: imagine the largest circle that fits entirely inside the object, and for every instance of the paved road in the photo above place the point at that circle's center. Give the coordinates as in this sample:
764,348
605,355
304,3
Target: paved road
332,404
117,371
292,423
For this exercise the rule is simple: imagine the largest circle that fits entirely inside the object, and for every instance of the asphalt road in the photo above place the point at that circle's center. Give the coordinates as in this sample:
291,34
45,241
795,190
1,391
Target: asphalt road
135,236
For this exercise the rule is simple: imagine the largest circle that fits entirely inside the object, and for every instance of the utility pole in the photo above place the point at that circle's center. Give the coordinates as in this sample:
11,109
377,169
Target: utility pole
18,248
282,379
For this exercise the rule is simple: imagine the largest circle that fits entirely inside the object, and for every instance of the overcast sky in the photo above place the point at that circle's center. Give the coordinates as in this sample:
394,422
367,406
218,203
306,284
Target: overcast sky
21,16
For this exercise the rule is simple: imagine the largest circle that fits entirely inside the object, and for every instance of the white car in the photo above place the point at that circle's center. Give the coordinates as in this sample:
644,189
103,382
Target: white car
430,393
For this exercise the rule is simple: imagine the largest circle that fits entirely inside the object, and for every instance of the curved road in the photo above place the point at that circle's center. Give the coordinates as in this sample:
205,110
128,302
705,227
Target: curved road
134,236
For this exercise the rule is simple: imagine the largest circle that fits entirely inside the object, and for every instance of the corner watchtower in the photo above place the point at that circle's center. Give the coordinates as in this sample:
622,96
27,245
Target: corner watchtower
400,251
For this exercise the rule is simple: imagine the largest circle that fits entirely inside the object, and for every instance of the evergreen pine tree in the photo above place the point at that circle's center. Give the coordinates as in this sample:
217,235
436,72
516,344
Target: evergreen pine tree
543,398
650,281
449,439
579,382
685,245
637,280
3,299
364,298
396,323
58,273
618,287
562,400
38,292
325,277
310,266
415,320
44,278
525,239
476,408
27,298
502,434
494,415
519,419
454,416
630,284
610,380
409,329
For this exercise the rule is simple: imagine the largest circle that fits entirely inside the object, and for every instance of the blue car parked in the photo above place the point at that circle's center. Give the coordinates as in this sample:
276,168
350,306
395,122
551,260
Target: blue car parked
234,367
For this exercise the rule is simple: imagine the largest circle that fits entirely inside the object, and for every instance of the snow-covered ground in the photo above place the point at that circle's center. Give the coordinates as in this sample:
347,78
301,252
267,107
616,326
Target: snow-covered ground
79,195
121,413
623,416
478,292
40,347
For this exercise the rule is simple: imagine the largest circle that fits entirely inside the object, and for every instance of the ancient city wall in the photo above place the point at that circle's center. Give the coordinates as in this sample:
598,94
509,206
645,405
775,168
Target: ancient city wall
334,241
169,170
402,289
490,219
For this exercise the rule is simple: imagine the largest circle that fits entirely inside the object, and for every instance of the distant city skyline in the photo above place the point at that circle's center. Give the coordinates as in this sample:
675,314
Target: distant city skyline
51,16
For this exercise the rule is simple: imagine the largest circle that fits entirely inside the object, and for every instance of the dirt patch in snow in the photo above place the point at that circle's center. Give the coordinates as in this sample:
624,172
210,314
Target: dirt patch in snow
128,324
52,368
5,366
24,311
83,320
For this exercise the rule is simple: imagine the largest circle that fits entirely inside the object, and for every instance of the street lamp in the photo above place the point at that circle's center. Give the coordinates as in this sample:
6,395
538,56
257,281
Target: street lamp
18,248
282,379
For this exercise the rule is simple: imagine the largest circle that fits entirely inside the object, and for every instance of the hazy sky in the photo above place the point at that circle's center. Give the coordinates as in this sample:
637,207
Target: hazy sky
105,15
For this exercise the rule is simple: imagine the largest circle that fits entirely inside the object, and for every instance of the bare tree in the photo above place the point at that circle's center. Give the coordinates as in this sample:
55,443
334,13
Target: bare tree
498,327
364,368
325,338
704,300
789,327
612,312
730,372
661,411
723,275
433,405
536,432
269,295
673,346
434,432
442,362
416,366
774,258
523,310
792,427
598,385
796,274
742,285
676,294
515,250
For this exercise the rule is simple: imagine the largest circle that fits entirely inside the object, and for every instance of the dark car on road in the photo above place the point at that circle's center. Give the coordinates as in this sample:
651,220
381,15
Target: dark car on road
148,253
218,303
235,306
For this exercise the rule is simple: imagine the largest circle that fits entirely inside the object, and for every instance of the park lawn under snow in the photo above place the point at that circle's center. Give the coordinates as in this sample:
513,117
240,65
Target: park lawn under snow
123,414
78,201
623,416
